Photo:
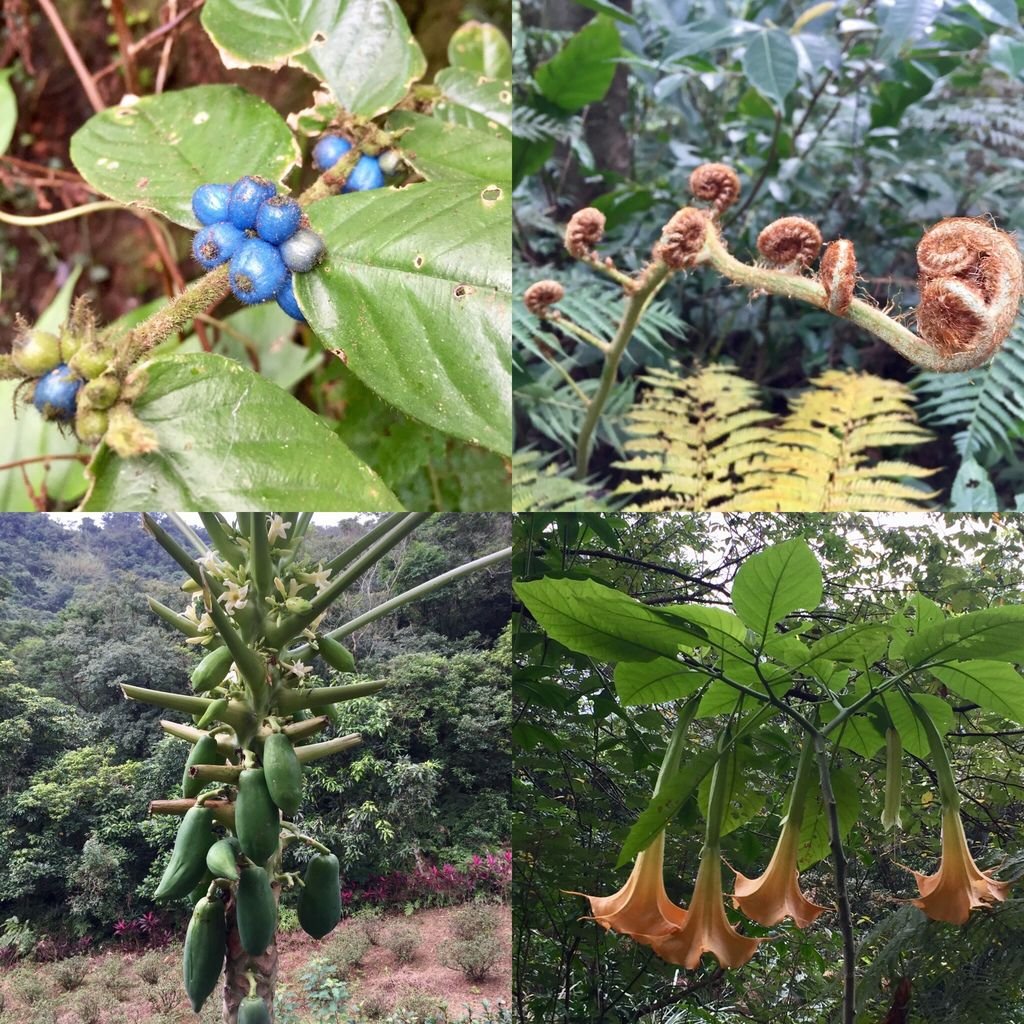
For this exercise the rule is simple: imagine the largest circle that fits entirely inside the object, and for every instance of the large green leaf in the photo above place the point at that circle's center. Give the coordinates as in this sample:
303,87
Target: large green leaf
415,297
598,621
582,71
653,682
860,643
770,64
481,48
445,151
484,104
228,438
156,152
995,634
995,685
362,50
775,582
722,630
907,724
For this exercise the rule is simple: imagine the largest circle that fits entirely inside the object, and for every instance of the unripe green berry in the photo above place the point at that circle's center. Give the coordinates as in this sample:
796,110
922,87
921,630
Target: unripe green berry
69,345
91,360
36,352
91,425
100,393
297,605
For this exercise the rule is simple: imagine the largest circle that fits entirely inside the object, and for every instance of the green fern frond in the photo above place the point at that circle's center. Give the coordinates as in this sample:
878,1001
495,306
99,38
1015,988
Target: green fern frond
987,402
702,442
537,487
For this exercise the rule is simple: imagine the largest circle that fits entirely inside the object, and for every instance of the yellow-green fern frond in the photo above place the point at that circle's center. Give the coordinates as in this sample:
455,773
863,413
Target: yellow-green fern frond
693,438
537,487
703,443
822,458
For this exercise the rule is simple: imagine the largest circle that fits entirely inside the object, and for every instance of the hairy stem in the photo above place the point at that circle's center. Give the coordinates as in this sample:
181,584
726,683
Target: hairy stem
638,301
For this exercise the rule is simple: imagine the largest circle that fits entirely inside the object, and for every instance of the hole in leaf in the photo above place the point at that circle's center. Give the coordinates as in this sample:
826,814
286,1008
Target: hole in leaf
491,194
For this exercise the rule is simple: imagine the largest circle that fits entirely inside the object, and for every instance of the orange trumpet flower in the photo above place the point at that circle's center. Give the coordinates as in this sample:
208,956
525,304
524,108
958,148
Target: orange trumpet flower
776,894
707,929
959,886
641,908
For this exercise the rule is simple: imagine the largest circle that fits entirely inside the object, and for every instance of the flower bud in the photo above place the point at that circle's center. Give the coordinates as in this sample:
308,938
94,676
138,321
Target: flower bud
36,352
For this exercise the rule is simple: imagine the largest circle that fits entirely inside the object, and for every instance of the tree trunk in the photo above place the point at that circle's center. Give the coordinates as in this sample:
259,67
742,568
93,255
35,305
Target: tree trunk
238,963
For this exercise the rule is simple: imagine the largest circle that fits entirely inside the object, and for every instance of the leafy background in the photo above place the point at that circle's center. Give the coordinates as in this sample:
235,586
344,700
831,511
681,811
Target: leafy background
423,397
872,120
586,760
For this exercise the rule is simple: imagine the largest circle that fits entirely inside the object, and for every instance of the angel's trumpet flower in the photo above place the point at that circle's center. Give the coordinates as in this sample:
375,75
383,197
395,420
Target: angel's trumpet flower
641,908
776,894
959,886
707,929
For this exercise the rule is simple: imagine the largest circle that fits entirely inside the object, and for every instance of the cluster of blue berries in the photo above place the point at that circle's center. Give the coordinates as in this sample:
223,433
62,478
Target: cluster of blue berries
366,174
263,236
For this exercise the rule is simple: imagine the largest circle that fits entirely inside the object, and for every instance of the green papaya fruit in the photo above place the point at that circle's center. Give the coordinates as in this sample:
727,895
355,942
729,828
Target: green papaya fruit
205,751
320,899
252,1010
212,670
205,947
222,858
188,858
257,819
336,655
283,773
255,910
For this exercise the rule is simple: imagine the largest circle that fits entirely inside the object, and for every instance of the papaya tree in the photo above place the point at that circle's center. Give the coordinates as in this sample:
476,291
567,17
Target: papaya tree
257,608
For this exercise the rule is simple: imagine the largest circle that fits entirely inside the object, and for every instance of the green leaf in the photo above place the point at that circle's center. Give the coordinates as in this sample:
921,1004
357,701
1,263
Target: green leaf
999,12
8,110
157,151
1007,54
995,633
653,682
602,623
582,71
863,644
445,151
770,64
903,22
666,804
362,50
268,332
607,7
718,629
973,490
907,724
775,582
414,296
474,102
228,438
481,48
857,733
995,685
815,837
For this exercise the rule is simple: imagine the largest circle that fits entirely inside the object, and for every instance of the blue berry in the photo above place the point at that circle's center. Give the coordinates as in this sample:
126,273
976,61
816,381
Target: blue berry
287,301
278,219
216,244
257,272
365,175
329,150
210,203
247,196
303,251
56,393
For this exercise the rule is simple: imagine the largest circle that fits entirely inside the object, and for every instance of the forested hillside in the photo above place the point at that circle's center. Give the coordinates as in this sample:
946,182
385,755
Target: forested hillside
428,785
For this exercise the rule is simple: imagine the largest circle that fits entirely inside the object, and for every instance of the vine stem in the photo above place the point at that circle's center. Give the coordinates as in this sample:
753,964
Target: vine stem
808,290
646,288
839,864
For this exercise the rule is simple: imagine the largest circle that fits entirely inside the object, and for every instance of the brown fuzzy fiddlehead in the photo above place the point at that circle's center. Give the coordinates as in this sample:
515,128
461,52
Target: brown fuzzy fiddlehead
790,242
542,294
717,184
584,230
971,279
838,273
682,238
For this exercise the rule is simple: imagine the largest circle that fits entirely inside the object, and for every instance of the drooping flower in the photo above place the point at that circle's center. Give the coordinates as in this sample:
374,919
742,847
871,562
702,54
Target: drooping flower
641,908
776,893
706,928
959,886
277,529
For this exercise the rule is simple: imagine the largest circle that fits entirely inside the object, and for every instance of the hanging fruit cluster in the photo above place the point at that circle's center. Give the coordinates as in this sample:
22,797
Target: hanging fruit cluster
256,609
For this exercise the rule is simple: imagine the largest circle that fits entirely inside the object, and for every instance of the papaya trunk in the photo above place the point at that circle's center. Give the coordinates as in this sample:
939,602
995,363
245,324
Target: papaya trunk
238,963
